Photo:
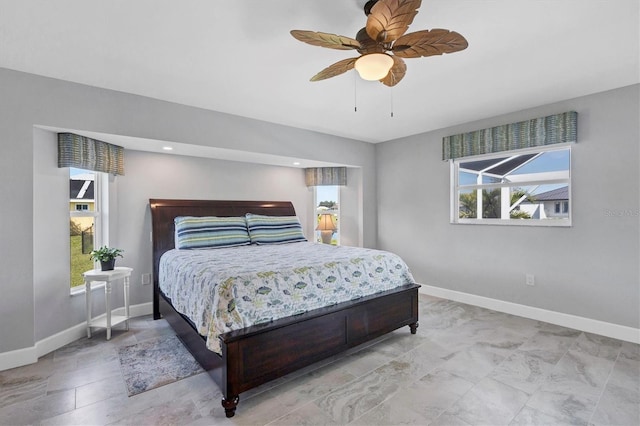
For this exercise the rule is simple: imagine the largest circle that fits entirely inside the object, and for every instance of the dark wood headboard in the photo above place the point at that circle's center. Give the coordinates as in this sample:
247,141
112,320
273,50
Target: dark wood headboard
163,213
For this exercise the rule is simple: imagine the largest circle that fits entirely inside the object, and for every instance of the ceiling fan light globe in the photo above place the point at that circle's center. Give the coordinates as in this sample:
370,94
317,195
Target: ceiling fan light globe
374,66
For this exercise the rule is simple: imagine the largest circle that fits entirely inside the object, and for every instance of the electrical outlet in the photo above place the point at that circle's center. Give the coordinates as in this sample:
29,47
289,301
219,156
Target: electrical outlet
146,279
529,279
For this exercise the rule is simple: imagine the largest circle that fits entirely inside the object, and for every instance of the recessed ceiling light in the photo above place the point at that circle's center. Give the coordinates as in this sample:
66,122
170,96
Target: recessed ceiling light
296,163
167,148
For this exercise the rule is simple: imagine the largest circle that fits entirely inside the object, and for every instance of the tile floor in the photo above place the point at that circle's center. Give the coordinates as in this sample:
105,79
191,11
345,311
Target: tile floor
466,366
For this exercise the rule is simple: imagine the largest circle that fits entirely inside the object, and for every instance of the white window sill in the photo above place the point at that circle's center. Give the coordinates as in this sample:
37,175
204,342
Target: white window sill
81,289
566,223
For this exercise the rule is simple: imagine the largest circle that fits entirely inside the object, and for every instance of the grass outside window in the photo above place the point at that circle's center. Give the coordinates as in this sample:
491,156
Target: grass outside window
79,262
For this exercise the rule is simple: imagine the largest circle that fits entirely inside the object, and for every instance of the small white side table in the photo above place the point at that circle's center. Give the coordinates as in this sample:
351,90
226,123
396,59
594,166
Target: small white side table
96,275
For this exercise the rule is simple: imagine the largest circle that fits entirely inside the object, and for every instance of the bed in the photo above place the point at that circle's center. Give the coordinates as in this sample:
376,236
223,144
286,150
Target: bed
247,357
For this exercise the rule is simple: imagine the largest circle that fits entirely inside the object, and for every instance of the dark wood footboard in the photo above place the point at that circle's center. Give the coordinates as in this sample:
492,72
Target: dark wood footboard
258,354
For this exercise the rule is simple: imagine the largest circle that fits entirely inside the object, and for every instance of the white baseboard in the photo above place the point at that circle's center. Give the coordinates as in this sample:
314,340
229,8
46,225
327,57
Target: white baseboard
49,344
621,332
58,340
17,358
140,310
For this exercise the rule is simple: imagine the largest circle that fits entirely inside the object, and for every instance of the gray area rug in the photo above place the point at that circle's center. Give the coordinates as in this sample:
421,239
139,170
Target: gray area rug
155,362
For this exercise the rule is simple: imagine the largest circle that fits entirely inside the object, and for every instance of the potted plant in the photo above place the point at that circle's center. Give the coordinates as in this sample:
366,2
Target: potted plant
106,256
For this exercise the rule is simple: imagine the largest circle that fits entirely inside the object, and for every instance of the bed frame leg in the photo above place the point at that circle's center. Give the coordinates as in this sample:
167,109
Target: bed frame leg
413,327
230,405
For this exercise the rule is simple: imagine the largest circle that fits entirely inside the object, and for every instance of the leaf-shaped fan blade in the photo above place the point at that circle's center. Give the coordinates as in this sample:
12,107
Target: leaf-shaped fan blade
338,68
429,43
396,73
389,19
332,41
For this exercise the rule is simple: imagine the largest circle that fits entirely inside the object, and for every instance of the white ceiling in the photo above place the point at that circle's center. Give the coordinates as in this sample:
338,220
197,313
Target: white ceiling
237,56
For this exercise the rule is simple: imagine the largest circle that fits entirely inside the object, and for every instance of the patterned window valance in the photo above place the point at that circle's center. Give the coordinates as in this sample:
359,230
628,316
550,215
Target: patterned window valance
558,128
318,176
90,154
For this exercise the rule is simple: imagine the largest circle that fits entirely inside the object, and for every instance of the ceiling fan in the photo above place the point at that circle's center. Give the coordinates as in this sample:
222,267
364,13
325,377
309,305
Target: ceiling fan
382,43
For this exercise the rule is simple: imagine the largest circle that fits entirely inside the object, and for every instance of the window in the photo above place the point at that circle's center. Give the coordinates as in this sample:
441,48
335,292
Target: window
327,202
84,221
562,207
527,187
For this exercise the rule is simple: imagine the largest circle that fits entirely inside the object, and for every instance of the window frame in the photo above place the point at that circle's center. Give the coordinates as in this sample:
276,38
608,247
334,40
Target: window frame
99,215
454,189
316,201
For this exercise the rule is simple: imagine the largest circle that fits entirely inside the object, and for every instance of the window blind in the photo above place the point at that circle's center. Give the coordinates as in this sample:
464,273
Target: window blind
553,129
90,154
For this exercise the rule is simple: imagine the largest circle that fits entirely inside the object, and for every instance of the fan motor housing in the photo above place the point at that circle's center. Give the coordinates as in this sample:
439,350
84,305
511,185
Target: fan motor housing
368,5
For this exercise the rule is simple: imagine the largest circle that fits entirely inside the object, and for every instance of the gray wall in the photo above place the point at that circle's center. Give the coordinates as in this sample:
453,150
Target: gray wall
589,270
35,304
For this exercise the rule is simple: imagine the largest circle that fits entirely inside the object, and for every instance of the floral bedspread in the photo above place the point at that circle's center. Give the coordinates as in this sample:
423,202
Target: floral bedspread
227,289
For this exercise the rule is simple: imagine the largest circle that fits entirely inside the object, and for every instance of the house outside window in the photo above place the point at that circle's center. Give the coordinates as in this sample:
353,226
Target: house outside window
84,220
526,187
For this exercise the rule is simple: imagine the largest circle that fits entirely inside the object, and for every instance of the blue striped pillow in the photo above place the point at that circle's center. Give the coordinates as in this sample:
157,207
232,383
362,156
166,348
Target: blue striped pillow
210,232
274,229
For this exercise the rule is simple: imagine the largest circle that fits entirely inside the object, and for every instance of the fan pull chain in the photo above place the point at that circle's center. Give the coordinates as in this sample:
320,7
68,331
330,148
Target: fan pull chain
391,100
355,93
